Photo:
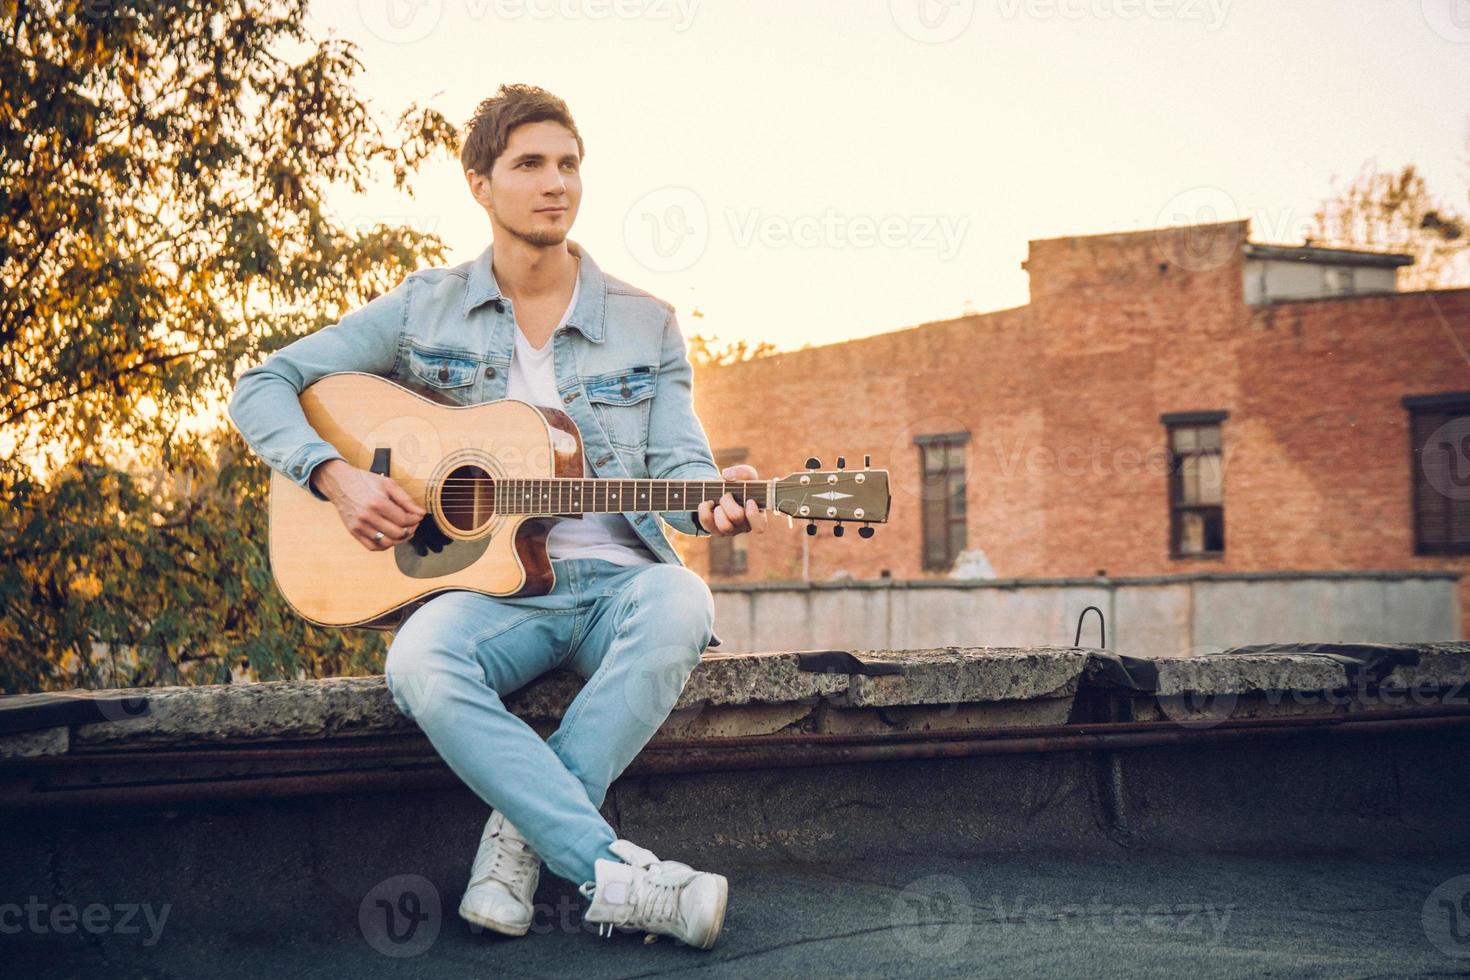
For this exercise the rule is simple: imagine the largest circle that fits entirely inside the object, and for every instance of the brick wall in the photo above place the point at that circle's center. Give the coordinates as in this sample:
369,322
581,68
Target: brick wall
1062,398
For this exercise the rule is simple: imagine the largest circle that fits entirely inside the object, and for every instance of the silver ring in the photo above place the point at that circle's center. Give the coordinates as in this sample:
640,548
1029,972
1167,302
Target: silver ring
378,536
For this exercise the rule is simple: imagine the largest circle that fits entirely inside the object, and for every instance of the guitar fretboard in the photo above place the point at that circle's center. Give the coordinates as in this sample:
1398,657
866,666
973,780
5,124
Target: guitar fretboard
596,496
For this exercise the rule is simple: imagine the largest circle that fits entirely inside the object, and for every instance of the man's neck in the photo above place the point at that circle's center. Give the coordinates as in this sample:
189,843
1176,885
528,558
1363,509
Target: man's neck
528,272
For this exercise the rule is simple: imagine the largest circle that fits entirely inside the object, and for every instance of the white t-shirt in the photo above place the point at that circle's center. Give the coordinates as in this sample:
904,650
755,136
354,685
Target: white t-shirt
606,536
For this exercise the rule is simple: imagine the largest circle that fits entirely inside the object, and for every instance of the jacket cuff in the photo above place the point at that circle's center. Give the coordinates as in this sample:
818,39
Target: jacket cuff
307,459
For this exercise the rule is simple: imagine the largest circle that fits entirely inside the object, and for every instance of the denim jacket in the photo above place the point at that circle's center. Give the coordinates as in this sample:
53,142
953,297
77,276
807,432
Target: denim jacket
620,360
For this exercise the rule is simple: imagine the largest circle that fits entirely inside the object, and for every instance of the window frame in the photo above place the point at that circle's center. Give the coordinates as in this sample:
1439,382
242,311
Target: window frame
1174,478
1450,404
949,440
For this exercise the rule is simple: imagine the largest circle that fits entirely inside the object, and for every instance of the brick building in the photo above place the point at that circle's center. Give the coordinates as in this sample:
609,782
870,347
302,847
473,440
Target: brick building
1178,400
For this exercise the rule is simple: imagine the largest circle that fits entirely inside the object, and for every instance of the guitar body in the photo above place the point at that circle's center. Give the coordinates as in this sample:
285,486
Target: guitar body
434,451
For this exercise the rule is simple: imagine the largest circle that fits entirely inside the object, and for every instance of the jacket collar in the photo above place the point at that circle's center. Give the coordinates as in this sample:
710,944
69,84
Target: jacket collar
589,314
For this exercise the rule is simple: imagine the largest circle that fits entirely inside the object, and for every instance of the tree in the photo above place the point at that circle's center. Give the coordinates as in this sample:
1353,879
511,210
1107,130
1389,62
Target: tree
1398,212
163,171
705,352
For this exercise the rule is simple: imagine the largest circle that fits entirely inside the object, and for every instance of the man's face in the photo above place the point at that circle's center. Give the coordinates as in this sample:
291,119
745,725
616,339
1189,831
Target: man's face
535,186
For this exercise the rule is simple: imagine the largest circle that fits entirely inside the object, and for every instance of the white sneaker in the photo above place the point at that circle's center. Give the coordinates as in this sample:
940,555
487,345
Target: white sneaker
502,880
656,896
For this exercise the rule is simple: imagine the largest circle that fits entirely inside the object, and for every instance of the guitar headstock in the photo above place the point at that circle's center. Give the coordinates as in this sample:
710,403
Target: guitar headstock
860,496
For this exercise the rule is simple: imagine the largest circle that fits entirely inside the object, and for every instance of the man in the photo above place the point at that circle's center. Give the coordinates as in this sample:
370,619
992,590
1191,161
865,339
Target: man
534,318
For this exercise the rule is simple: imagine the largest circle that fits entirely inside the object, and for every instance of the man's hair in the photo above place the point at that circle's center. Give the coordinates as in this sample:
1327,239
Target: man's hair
513,105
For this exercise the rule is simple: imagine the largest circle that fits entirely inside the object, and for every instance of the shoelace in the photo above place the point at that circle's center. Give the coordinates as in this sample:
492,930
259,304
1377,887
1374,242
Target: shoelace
504,868
654,901
657,901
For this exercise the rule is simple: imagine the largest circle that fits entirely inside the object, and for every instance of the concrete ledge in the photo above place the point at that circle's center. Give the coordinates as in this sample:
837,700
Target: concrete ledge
951,689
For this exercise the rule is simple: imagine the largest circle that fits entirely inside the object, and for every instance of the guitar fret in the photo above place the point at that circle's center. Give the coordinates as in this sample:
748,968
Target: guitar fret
558,496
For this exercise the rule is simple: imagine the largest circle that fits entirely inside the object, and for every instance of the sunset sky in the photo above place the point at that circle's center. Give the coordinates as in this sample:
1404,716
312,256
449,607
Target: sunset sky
809,172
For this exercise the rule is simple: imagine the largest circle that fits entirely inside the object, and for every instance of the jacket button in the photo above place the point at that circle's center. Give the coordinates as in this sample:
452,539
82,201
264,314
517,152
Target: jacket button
489,372
627,391
444,372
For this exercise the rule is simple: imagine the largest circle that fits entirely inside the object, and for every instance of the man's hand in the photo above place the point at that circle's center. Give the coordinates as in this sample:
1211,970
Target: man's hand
368,503
727,517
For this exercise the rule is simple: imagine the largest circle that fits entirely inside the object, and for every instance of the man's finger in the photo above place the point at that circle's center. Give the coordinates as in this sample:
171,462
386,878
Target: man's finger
400,497
706,516
722,522
732,510
756,517
391,512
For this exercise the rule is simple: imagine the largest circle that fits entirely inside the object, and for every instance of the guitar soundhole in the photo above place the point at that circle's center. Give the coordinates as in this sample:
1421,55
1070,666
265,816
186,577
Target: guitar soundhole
468,498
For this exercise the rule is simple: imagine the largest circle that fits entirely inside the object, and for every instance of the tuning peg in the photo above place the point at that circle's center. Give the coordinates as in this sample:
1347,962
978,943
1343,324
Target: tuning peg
837,531
812,463
867,461
865,531
842,462
811,527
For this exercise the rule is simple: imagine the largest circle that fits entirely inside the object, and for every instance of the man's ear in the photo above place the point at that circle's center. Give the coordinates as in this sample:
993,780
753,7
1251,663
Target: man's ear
478,185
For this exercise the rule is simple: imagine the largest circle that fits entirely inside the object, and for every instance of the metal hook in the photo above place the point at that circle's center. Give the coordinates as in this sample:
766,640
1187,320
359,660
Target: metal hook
1102,628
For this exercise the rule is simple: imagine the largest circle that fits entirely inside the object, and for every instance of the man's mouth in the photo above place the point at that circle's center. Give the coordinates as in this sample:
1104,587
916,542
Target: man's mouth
559,210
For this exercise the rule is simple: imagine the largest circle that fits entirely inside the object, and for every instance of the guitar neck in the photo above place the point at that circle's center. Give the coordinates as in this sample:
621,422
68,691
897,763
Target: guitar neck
557,496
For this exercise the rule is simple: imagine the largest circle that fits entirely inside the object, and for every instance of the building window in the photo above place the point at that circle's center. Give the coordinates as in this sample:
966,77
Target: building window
1439,432
1196,484
942,470
727,555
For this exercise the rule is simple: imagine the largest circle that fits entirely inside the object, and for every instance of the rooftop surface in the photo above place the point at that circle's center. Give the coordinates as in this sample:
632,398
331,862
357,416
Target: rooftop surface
905,915
949,812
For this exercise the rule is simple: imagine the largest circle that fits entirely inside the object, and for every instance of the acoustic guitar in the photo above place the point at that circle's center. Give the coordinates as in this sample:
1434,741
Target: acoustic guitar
489,476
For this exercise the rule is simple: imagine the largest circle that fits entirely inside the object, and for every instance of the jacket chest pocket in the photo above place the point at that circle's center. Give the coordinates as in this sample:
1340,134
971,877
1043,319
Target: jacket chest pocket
621,400
442,369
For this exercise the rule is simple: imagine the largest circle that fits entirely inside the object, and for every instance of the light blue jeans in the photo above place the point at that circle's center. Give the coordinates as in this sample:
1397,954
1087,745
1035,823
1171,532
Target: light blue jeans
634,631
